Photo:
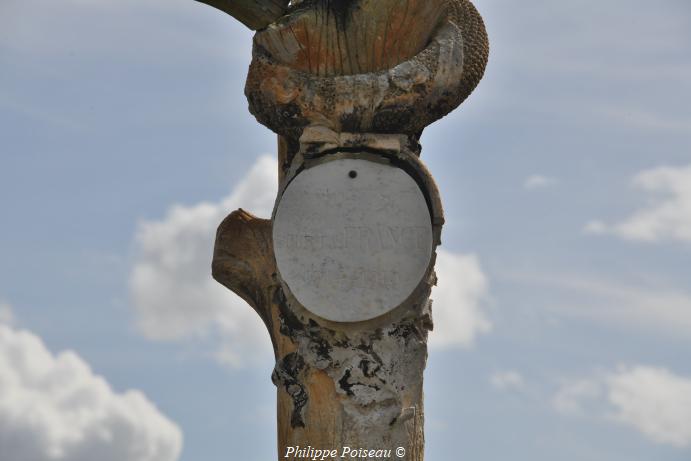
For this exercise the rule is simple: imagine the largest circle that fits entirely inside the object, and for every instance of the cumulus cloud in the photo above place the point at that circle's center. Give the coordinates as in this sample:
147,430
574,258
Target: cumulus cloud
6,314
643,306
667,218
572,396
458,300
653,401
52,408
174,296
537,181
173,293
507,380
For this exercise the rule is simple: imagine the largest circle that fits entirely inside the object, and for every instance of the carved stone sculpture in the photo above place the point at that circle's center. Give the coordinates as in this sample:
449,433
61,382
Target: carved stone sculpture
339,81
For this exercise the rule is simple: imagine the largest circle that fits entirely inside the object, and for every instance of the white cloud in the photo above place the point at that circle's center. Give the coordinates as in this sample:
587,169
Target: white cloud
173,293
646,119
537,181
6,314
458,301
595,227
175,297
52,408
507,380
572,396
662,310
646,307
653,401
667,218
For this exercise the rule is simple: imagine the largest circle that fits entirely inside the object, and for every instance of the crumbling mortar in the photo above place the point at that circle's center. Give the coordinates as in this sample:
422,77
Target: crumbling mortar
362,365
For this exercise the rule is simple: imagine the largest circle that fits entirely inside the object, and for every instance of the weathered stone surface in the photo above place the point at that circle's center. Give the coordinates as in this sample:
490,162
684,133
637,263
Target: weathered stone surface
339,80
402,99
352,238
339,384
331,37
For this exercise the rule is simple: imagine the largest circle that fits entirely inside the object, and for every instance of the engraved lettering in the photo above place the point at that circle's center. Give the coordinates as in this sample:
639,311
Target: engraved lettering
362,238
350,249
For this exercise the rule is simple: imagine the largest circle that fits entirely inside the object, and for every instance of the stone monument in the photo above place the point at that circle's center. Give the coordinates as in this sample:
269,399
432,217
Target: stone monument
341,275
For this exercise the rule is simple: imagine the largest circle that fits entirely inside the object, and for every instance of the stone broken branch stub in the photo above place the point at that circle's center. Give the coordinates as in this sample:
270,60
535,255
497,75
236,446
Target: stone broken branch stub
349,86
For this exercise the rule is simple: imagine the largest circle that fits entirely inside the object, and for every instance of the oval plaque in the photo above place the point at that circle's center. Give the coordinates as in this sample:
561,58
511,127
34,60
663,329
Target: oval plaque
352,238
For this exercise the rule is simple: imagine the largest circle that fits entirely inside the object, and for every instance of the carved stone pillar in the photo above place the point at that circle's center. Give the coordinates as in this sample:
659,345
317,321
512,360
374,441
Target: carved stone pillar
341,275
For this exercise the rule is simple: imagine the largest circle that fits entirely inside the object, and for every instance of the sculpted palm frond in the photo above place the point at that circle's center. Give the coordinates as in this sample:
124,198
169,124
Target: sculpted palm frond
349,85
330,37
255,14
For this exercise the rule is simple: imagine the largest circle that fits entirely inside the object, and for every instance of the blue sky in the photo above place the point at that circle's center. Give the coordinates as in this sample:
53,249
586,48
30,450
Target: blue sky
564,332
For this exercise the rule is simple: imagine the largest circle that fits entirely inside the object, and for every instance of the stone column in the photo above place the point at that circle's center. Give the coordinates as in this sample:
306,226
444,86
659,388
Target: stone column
341,275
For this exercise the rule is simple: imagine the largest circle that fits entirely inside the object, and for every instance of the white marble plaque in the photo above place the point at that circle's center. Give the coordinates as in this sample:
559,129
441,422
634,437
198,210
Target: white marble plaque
352,238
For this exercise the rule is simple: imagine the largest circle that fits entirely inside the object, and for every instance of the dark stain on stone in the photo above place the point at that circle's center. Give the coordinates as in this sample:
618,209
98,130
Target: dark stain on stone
351,121
405,331
318,343
287,374
368,368
369,350
290,324
292,327
341,10
343,344
345,385
391,119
